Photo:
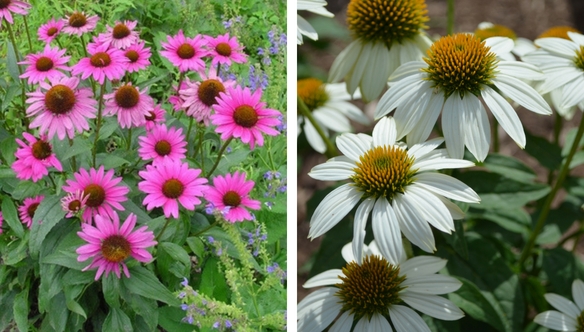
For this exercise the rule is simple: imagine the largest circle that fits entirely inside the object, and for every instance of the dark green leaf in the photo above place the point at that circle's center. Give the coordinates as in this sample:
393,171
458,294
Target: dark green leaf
56,314
11,217
12,62
143,282
548,154
117,320
561,267
26,189
212,281
176,252
196,245
111,290
21,309
514,220
50,213
171,319
509,167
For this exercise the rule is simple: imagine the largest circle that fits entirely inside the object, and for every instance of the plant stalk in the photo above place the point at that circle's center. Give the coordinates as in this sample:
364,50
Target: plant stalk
331,151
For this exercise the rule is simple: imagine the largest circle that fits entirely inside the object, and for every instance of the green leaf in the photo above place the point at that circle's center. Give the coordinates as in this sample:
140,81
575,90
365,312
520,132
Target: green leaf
514,220
275,224
143,282
509,167
110,161
12,62
570,140
561,267
111,290
16,251
50,213
171,320
146,308
457,239
26,189
117,320
499,192
197,246
212,281
11,217
547,154
470,299
176,252
80,145
9,147
21,309
56,314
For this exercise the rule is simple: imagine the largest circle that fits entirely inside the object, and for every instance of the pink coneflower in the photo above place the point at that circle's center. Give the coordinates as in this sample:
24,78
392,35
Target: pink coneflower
61,107
175,99
32,159
169,183
200,97
45,64
122,35
241,114
154,117
130,105
104,192
160,144
138,56
78,23
104,62
231,193
110,245
8,6
50,30
74,203
1,221
185,53
27,209
224,50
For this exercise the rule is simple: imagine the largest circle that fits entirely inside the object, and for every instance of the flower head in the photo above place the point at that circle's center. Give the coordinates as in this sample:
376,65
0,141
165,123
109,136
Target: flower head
162,143
155,116
130,105
50,30
169,183
103,62
61,108
78,23
304,28
28,208
224,50
232,191
121,35
185,53
458,71
570,316
7,7
34,157
399,185
45,65
200,97
74,203
105,193
110,244
241,114
370,290
138,57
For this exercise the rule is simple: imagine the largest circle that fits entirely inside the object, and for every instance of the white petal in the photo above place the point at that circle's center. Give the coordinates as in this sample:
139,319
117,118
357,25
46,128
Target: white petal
343,324
558,46
408,115
521,70
305,28
446,186
432,284
335,170
454,210
578,293
326,278
421,266
376,73
407,69
477,131
556,321
351,146
356,75
433,305
378,323
452,126
432,209
332,209
338,92
398,94
359,233
557,78
422,149
351,111
331,119
562,304
572,92
313,137
423,129
406,320
318,310
522,93
523,46
436,160
500,45
412,223
345,61
505,115
384,132
576,37
386,231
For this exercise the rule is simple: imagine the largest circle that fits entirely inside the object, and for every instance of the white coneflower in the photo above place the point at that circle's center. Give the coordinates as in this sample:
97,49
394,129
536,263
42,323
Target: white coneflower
329,106
368,290
570,316
521,46
383,41
304,28
459,71
399,185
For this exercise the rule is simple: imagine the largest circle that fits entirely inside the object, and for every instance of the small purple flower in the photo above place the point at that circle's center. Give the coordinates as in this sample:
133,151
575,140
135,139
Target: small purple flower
260,51
227,24
185,282
282,189
267,61
271,36
182,295
210,239
228,150
283,39
184,307
274,50
216,325
228,323
264,237
190,319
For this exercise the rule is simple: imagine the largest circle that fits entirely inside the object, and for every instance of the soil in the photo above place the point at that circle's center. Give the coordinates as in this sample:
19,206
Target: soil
528,18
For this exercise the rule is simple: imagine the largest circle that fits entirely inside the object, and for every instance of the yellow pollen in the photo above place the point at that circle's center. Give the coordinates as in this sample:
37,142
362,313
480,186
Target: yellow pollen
495,31
370,288
312,92
383,171
460,63
386,21
115,248
209,91
558,32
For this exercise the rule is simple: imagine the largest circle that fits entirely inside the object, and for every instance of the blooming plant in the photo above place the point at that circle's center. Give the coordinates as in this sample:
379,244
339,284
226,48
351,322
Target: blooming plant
470,228
136,139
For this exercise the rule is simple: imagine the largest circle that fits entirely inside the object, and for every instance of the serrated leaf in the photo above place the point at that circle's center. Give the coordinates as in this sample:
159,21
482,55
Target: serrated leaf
144,283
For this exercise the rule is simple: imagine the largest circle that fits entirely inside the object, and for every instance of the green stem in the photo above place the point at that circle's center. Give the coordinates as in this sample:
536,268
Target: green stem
189,130
73,159
450,19
27,34
98,123
163,229
548,203
22,82
219,156
129,139
331,151
53,182
215,223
